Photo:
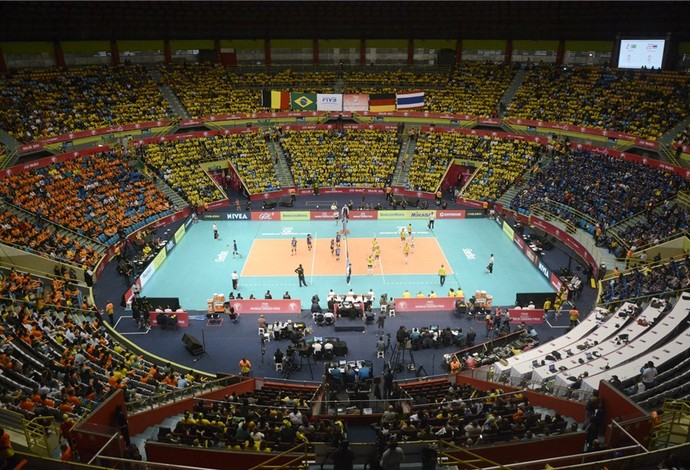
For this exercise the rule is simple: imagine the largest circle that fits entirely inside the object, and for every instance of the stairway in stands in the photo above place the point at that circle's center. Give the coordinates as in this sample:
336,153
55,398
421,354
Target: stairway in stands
508,196
668,137
402,167
175,104
281,165
11,147
512,89
170,194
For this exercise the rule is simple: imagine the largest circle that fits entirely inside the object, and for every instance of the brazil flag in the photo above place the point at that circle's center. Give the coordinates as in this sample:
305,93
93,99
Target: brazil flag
303,101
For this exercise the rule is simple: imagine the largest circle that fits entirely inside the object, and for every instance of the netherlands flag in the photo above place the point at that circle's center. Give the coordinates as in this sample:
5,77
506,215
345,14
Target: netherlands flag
410,99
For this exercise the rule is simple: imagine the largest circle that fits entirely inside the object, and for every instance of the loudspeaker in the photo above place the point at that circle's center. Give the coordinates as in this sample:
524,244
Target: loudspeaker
193,345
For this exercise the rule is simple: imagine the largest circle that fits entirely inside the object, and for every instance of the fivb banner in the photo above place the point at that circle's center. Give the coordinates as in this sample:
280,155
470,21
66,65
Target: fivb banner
270,306
426,304
329,102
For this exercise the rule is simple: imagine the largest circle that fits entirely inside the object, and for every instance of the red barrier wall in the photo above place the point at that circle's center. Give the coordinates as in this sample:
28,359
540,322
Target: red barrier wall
140,421
566,407
93,433
524,451
210,458
618,406
553,231
42,162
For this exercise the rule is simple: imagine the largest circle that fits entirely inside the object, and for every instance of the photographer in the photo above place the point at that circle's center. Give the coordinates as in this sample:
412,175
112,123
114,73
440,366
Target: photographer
343,457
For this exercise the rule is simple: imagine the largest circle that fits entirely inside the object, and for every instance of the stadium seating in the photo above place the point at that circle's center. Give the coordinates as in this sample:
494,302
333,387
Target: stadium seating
92,195
341,158
647,281
205,89
474,88
42,239
44,103
575,180
504,162
644,103
177,163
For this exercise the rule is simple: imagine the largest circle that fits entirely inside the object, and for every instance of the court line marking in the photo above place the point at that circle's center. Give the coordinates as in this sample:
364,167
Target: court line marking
383,276
131,332
245,263
313,257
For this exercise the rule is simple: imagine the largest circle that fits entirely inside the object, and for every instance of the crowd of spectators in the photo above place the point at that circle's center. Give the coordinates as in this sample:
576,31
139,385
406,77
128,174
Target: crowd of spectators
432,154
605,188
277,419
659,223
327,158
396,80
177,162
60,291
468,416
474,88
503,163
96,196
62,362
652,279
205,89
43,239
36,104
682,139
644,103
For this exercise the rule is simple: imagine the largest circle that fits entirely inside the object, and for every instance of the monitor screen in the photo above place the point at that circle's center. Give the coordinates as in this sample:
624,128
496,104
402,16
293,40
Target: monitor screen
641,53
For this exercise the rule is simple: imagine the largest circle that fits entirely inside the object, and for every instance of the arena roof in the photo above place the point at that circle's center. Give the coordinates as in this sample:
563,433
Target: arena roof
575,20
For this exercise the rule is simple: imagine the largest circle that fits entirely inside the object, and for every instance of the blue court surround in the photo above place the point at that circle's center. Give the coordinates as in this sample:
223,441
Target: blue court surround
200,266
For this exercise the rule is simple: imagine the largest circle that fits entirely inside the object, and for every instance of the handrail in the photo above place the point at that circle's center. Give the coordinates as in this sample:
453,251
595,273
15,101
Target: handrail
452,460
39,273
546,386
179,394
683,233
298,448
51,222
404,154
8,415
551,460
589,219
639,299
683,197
636,214
44,255
471,178
218,186
443,178
11,301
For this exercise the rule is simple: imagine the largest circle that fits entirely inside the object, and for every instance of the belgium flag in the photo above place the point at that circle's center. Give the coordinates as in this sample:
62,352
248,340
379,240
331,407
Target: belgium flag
273,99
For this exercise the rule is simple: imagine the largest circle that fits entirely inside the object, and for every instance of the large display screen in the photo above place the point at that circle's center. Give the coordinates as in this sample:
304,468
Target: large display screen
641,53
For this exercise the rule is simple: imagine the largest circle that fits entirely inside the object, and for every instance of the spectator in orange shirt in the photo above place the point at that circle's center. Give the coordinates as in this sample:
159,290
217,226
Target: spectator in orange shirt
27,404
110,310
7,456
66,452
